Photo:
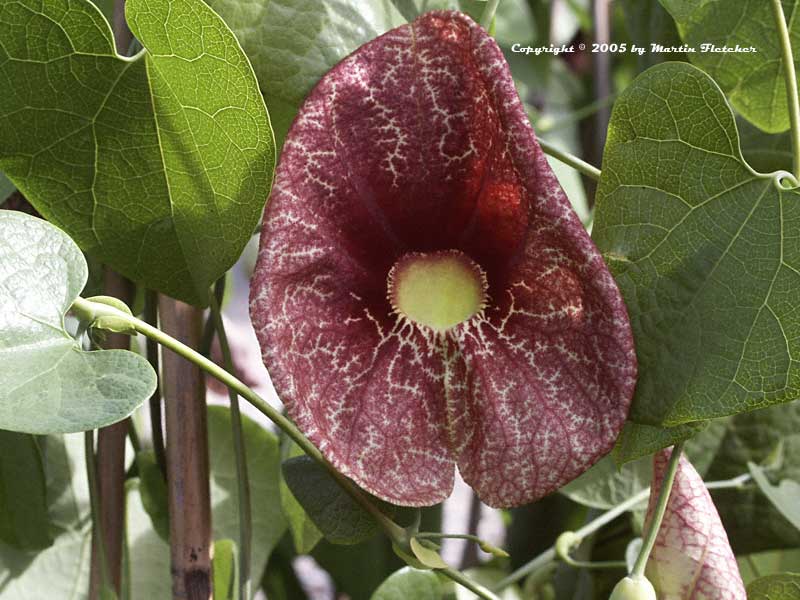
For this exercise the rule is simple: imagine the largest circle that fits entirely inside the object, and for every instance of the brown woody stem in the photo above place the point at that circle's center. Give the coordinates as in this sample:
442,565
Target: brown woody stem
110,470
187,455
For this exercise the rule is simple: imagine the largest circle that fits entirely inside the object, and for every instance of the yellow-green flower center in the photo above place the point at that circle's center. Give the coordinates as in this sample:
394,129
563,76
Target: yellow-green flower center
437,290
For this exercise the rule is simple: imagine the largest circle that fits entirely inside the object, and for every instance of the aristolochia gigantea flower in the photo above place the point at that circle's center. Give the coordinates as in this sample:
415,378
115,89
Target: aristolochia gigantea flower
424,294
692,558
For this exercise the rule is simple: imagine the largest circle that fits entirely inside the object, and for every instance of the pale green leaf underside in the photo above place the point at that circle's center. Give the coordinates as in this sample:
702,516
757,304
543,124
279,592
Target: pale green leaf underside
781,586
706,253
783,496
753,81
160,165
47,383
605,485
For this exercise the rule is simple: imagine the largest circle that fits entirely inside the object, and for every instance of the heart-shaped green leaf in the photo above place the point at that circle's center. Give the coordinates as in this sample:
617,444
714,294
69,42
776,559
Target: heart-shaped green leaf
293,43
427,555
647,22
753,80
605,485
781,586
107,6
305,534
48,384
6,188
705,250
410,583
159,165
340,519
762,151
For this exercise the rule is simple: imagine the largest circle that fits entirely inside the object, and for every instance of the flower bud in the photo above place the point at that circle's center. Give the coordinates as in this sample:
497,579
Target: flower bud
633,587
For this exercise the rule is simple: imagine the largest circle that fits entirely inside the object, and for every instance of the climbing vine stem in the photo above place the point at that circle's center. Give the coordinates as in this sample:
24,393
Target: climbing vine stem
649,538
547,557
239,452
790,77
573,161
488,13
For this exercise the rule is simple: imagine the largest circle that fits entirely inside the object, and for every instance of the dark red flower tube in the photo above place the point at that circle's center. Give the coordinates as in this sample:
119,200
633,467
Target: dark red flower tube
425,295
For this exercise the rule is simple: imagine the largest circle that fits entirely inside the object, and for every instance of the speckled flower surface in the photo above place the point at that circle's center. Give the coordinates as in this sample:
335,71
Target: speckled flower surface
418,143
692,558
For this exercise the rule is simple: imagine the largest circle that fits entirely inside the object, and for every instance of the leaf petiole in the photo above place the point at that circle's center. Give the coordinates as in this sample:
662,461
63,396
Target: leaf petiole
242,479
569,540
482,544
649,538
488,13
573,161
548,556
790,76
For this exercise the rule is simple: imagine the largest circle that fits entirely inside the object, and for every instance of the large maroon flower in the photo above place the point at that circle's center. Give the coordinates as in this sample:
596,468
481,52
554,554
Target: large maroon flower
424,293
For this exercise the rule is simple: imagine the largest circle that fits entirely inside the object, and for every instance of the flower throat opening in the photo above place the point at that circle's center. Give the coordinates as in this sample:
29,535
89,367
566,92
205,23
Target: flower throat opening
438,290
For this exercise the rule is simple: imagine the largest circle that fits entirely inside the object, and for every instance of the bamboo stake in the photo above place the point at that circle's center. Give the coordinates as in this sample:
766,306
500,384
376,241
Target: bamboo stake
187,455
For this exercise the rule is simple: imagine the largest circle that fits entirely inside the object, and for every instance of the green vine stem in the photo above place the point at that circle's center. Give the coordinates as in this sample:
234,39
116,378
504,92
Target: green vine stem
242,478
598,564
790,77
209,330
548,556
568,541
649,538
573,161
151,351
488,13
88,311
482,544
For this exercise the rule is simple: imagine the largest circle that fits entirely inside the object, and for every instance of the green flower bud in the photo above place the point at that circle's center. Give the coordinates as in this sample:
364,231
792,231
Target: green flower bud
634,587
